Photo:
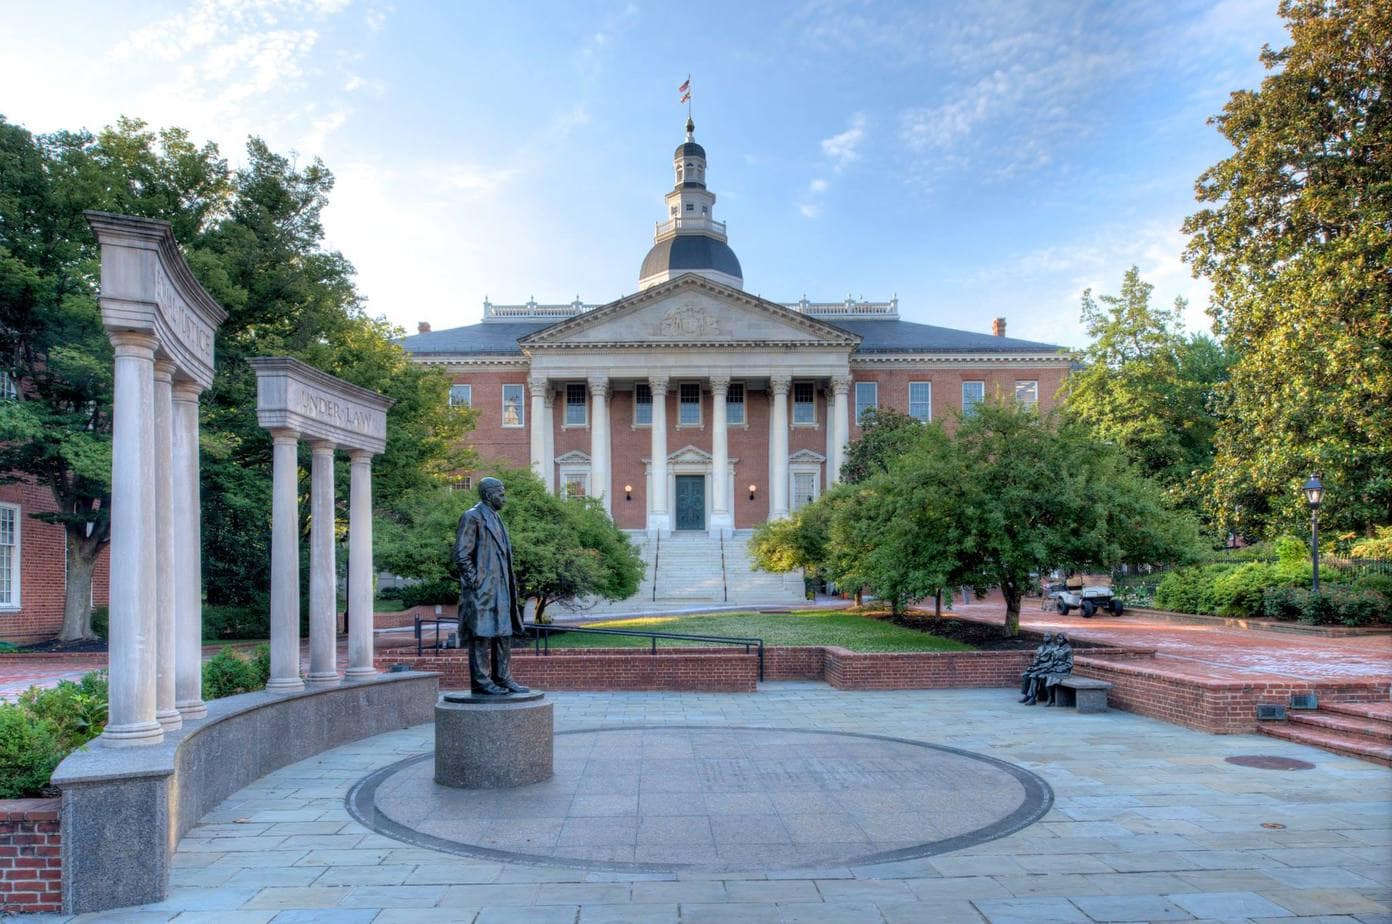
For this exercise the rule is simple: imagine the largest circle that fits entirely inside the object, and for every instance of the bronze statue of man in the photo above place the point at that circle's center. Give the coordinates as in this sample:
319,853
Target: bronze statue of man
489,609
1042,654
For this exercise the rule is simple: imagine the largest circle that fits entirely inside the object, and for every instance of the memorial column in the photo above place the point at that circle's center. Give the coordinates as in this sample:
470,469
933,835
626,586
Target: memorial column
658,520
722,522
165,711
323,576
131,598
360,615
599,440
779,384
285,562
537,386
840,424
187,555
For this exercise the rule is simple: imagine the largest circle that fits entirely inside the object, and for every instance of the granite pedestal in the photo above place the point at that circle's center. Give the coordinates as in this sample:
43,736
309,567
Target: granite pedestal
493,742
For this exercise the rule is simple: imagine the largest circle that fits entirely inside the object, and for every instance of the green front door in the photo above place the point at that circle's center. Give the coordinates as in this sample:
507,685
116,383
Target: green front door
691,502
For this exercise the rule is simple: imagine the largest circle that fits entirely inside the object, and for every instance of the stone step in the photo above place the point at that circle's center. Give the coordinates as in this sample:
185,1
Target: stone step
1379,711
1353,725
1360,746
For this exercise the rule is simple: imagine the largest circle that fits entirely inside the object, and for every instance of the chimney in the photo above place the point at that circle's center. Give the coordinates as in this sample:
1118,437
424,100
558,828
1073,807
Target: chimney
423,327
998,327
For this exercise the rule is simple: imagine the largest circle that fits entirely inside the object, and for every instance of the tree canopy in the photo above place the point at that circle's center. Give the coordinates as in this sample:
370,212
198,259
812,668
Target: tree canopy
1295,234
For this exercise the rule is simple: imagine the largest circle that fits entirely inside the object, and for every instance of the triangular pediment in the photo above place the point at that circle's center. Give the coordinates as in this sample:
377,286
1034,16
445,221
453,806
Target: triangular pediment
689,311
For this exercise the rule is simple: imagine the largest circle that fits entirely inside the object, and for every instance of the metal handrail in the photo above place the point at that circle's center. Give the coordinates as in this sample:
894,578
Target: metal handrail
436,647
543,639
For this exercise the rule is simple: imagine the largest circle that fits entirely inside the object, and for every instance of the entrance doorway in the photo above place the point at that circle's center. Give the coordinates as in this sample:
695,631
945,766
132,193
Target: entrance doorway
691,502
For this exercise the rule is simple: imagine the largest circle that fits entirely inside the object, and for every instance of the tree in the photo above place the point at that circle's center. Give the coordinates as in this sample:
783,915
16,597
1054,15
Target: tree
564,548
1296,237
885,434
1148,387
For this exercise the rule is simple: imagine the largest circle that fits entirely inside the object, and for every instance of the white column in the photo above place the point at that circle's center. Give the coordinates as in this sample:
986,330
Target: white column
360,616
165,711
840,424
536,421
323,572
778,451
659,521
131,598
722,520
599,439
549,429
188,555
285,562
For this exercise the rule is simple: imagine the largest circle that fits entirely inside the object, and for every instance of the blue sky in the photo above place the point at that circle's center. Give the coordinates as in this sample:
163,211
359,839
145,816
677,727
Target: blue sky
977,160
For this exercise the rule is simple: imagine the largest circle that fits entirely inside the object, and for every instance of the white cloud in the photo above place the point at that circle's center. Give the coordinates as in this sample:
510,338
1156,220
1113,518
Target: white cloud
844,148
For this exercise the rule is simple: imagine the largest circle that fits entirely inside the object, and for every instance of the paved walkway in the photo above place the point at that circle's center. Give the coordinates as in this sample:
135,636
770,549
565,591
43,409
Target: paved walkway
1148,823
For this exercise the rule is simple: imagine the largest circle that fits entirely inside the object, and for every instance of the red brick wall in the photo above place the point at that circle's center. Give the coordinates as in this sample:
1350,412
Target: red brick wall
494,442
914,670
42,566
31,861
607,669
947,387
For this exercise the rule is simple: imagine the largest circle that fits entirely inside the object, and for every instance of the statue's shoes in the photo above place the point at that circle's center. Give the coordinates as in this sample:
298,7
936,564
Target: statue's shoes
491,689
512,686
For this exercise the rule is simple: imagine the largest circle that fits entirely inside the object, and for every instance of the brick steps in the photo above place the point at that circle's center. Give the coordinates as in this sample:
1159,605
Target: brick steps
1362,730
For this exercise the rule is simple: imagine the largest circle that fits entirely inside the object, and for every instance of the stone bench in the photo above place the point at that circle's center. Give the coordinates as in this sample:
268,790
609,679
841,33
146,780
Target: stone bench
1087,694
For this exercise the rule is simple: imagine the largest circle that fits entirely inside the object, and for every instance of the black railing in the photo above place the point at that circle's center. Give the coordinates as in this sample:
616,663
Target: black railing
420,645
543,639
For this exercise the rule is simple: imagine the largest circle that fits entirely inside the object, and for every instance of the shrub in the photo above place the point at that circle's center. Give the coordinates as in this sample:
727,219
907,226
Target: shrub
28,752
1378,583
1191,590
237,621
101,619
1357,607
77,711
226,674
1238,592
429,593
1283,602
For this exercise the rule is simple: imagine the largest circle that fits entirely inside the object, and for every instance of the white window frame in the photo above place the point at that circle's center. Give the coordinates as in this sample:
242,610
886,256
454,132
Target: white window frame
700,410
566,422
742,404
468,395
813,471
859,412
967,407
929,386
570,476
9,388
521,406
636,404
792,417
15,559
1034,384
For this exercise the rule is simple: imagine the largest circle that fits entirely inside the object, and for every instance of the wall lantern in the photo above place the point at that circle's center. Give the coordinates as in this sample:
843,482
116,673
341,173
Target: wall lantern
628,492
1314,493
752,489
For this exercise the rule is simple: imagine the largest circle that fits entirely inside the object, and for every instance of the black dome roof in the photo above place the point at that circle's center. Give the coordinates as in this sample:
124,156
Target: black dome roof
689,149
691,253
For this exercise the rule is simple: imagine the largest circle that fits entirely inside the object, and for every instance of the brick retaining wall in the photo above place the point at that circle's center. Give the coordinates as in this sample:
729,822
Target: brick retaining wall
31,863
917,670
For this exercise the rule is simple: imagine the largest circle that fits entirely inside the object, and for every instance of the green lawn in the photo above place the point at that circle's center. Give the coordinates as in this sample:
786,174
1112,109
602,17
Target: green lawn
815,627
387,605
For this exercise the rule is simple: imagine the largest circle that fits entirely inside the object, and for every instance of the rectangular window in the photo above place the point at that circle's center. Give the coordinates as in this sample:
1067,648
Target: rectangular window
461,396
867,395
9,555
462,483
575,404
513,398
642,405
734,404
8,390
921,401
576,485
804,403
689,407
1027,393
973,393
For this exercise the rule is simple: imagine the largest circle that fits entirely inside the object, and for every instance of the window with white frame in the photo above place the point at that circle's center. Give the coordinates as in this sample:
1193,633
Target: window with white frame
921,401
804,404
973,393
8,390
9,555
461,396
689,404
1027,393
462,483
514,414
642,405
734,404
576,404
575,485
867,397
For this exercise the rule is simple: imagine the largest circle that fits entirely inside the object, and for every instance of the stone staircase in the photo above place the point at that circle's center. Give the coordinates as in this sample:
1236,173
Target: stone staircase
1362,730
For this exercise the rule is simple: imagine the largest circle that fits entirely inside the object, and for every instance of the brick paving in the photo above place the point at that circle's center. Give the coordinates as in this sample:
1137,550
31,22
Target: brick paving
1149,823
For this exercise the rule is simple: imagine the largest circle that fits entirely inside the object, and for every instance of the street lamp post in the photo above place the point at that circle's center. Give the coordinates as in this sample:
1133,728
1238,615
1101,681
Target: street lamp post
1314,493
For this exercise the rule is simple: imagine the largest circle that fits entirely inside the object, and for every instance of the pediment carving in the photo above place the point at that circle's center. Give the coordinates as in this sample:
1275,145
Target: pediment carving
574,457
806,455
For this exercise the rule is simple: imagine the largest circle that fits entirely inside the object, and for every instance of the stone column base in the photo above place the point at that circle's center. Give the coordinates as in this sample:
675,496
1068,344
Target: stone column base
493,742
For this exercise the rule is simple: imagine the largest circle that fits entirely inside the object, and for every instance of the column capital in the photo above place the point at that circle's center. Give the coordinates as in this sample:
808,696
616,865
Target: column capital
599,385
780,384
360,457
322,447
841,385
282,435
658,384
186,389
133,343
720,384
164,370
537,384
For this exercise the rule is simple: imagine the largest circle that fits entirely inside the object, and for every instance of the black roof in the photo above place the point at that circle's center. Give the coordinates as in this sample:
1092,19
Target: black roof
691,252
689,149
499,338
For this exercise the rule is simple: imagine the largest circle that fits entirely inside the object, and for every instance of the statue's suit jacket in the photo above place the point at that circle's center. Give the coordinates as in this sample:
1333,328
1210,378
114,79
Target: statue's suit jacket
488,604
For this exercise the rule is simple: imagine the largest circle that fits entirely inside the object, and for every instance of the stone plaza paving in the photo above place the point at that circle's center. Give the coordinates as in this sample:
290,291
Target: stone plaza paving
1148,822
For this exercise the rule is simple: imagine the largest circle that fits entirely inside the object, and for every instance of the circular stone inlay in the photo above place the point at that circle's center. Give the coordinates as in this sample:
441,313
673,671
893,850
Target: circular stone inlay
1269,762
669,798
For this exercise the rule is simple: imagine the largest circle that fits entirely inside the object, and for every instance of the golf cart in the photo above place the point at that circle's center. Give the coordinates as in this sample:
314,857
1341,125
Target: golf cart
1089,593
